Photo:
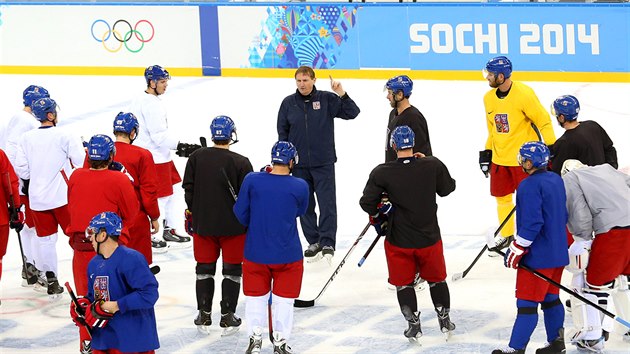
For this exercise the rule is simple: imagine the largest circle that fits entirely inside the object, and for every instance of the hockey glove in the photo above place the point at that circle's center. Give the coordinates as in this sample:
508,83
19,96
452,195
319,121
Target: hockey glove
379,221
266,168
78,315
513,255
578,256
117,166
385,207
185,150
16,221
188,223
485,157
96,316
25,184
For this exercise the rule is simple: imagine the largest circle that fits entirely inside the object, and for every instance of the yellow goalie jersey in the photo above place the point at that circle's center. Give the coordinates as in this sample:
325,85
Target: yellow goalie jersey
509,122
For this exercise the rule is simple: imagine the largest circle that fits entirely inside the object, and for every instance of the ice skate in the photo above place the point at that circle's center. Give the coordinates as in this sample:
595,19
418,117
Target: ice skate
500,243
54,289
86,347
203,321
555,347
255,342
328,252
158,246
414,331
508,350
280,345
29,275
446,326
590,346
419,284
230,323
313,253
175,240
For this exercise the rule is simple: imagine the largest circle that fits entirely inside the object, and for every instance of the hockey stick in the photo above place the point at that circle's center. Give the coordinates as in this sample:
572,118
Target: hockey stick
78,307
202,140
270,318
311,303
571,292
463,274
227,179
367,253
12,205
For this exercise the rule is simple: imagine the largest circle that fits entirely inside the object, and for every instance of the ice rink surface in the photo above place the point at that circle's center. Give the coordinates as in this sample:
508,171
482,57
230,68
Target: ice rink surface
357,313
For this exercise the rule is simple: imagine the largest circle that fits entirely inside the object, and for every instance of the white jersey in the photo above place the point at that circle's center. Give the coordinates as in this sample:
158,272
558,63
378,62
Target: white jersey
598,199
19,124
153,135
47,156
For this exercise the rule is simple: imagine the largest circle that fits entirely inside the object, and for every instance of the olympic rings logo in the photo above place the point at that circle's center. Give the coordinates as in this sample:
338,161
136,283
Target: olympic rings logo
129,34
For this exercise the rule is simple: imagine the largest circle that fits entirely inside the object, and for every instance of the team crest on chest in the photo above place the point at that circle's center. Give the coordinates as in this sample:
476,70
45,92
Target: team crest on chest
316,105
101,288
501,122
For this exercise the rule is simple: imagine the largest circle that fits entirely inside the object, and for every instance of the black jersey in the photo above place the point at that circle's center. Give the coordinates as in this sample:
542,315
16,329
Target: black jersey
588,142
207,193
412,185
412,118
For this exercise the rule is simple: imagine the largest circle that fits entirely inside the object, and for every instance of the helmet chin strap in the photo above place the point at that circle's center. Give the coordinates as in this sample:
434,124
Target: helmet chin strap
234,139
98,244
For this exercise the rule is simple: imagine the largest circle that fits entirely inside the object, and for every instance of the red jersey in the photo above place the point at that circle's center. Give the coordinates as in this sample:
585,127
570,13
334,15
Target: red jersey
139,164
9,183
94,191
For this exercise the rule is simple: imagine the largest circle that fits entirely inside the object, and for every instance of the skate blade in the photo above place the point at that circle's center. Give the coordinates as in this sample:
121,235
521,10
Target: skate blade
203,329
40,289
159,250
25,284
55,297
329,259
493,254
414,341
314,259
228,331
447,335
178,245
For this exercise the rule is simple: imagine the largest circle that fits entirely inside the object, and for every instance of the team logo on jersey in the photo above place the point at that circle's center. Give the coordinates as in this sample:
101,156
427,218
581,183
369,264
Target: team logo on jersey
501,122
316,105
101,288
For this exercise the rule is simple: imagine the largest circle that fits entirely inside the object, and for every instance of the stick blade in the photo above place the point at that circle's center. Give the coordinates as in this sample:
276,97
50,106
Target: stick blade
458,276
303,303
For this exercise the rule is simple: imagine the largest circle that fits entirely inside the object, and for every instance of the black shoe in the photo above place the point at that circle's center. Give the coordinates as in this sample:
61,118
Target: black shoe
555,347
54,288
313,252
444,320
414,330
255,342
508,350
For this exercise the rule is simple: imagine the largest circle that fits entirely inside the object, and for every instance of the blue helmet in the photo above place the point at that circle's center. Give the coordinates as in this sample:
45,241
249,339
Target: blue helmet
536,152
126,122
403,137
400,83
100,148
499,65
156,72
567,105
32,93
282,152
222,128
42,107
108,221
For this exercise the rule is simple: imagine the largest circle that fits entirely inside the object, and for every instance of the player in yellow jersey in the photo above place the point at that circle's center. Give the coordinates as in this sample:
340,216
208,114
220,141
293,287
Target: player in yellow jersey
514,115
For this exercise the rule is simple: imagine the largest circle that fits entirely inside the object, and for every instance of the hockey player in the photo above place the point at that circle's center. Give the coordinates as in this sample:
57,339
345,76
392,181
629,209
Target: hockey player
306,119
108,191
122,292
511,108
540,244
413,242
597,199
585,141
403,113
155,137
138,162
268,204
19,124
214,227
10,214
46,156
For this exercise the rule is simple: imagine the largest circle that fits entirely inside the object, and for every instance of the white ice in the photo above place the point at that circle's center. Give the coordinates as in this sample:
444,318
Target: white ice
357,313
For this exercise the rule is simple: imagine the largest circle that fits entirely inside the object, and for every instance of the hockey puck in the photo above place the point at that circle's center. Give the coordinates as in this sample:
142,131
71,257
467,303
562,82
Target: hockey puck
155,269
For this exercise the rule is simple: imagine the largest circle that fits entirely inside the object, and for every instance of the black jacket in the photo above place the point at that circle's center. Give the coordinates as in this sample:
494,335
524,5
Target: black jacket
308,123
414,119
207,193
